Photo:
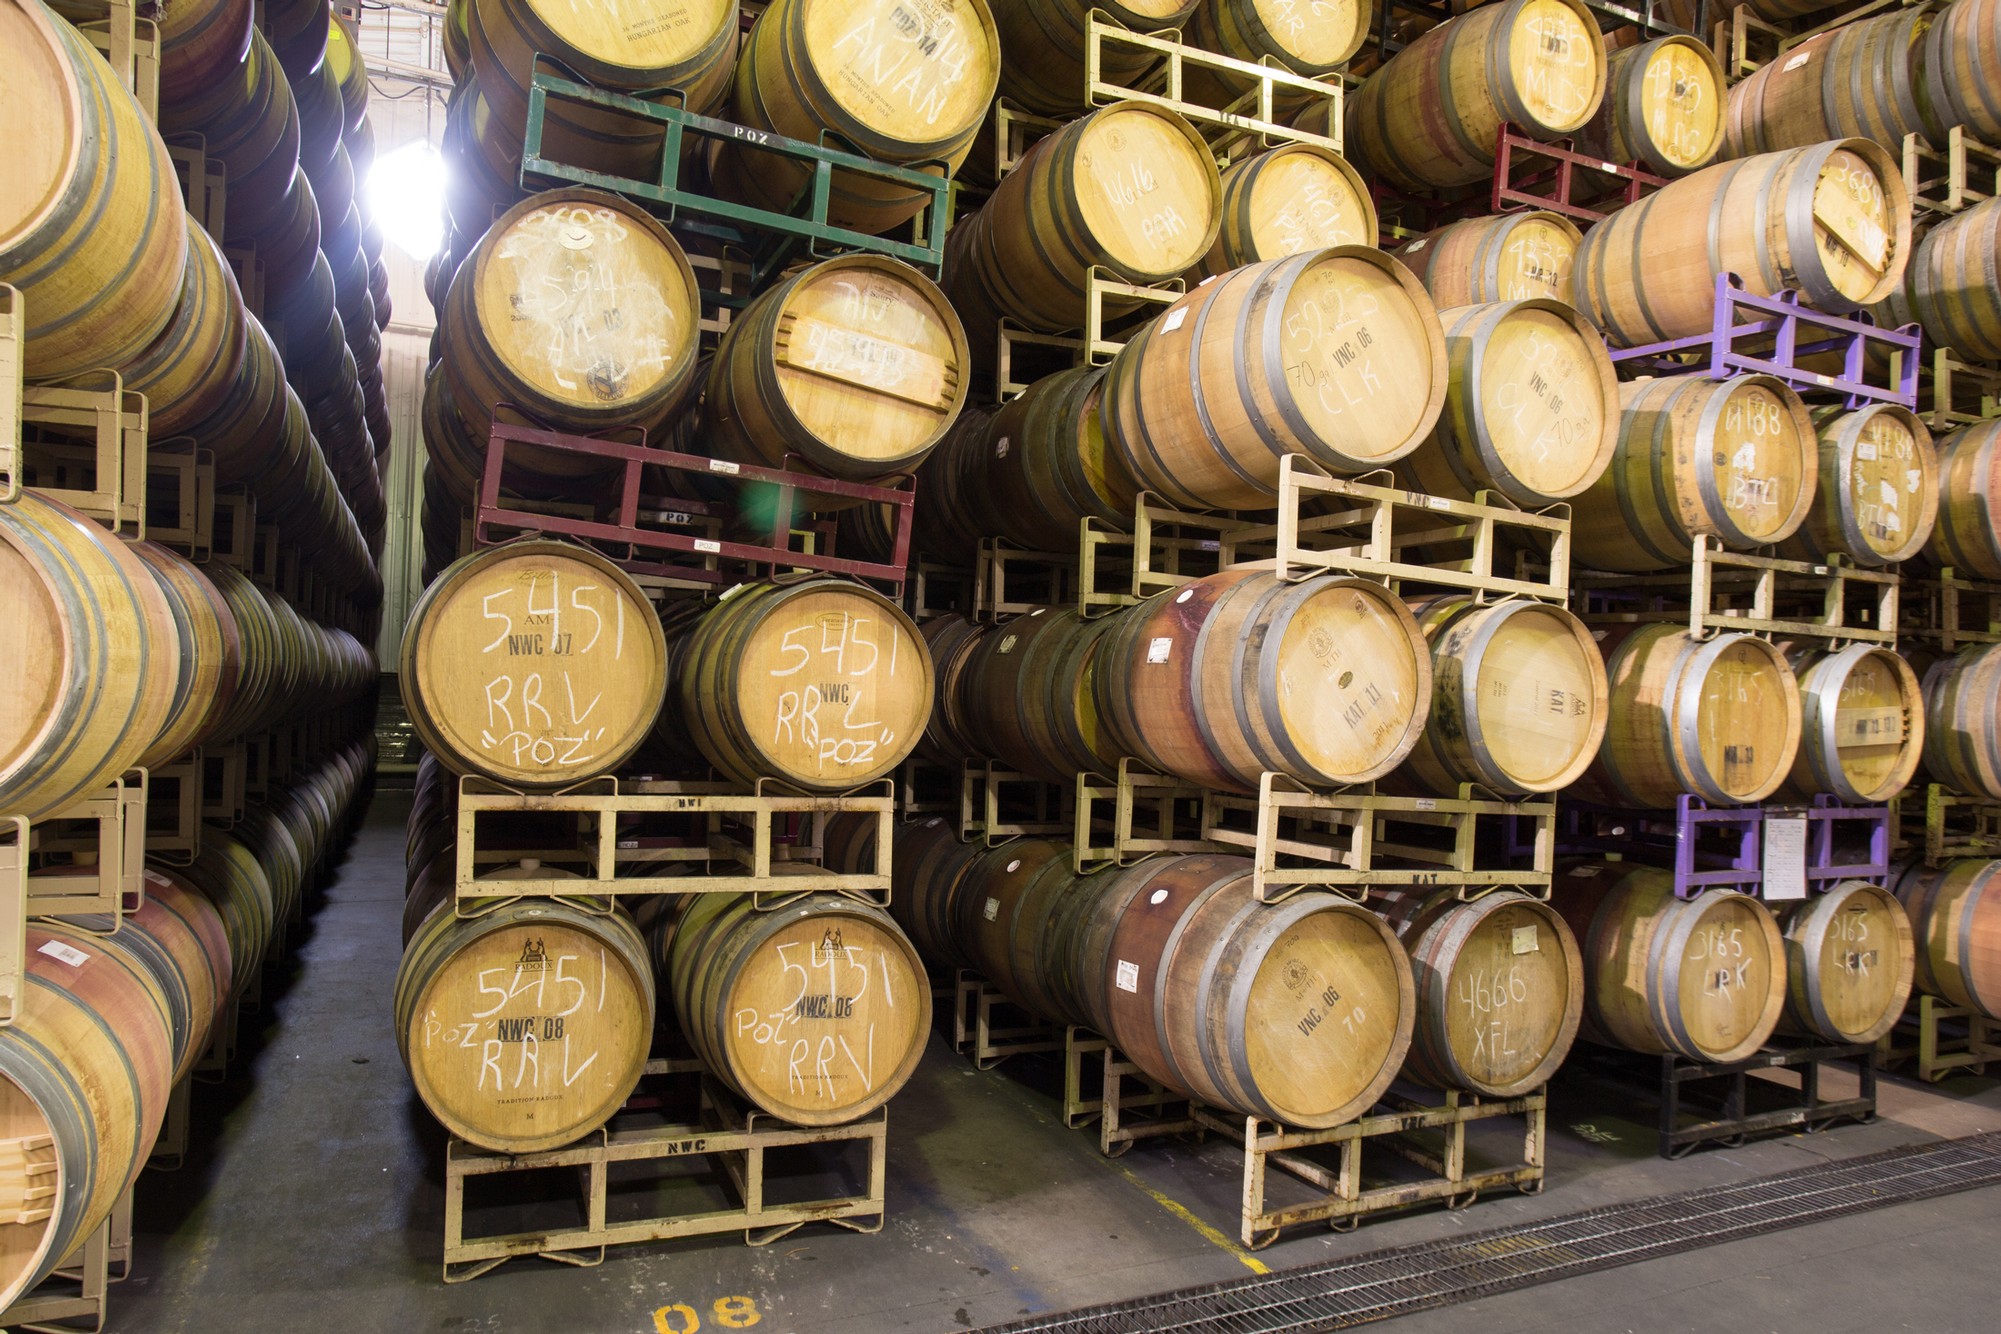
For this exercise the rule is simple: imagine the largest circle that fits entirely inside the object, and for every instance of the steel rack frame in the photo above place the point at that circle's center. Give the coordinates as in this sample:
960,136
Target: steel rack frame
1927,1038
1023,356
1532,174
1951,612
1836,601
987,1027
1127,1105
1941,824
1961,393
1728,1120
1944,181
1743,848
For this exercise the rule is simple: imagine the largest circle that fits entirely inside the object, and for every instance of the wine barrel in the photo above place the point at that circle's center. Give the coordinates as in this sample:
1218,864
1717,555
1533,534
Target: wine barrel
227,873
1315,41
1326,681
1862,80
187,372
1967,537
1878,491
1729,459
858,365
176,940
950,639
816,1012
1287,199
1500,988
1042,48
434,883
209,653
1862,723
1832,221
1518,697
1955,913
1047,465
85,1070
91,225
201,42
578,309
1962,70
926,869
1962,731
688,45
563,658
1663,107
455,38
1849,963
900,85
553,1060
1083,935
1024,695
1131,188
1299,1012
1531,411
350,71
823,684
97,657
1702,978
1334,354
1007,902
1717,717
1431,116
249,122
1509,257
1952,286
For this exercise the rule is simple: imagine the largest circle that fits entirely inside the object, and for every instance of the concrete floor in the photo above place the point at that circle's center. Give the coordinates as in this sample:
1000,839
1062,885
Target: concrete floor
313,1191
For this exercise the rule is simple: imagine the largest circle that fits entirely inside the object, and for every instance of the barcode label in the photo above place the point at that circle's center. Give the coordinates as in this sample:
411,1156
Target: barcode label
1128,978
70,955
1157,651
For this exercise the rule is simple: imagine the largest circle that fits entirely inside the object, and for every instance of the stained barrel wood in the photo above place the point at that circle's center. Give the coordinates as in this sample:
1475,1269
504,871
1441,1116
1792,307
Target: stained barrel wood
91,225
816,1012
1862,80
1963,721
1047,465
1042,45
1431,116
1334,354
1663,107
1131,188
1878,493
1962,70
1703,978
537,664
1730,459
85,1070
1508,257
823,684
1532,410
1849,963
1326,681
1862,723
188,370
926,870
1287,199
901,85
857,365
1500,988
1007,902
1299,1012
1519,698
1952,286
205,639
1832,220
1967,536
553,1060
201,41
1717,717
1314,40
1025,695
1955,913
951,639
249,121
228,874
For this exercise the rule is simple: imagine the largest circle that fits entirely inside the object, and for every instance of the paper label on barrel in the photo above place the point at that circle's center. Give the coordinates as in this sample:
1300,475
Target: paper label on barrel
992,910
1128,978
1525,941
1173,320
1871,727
55,949
1785,859
1157,651
1796,62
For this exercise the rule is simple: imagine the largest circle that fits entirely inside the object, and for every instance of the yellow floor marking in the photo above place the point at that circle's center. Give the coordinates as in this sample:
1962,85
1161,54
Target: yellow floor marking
1208,1233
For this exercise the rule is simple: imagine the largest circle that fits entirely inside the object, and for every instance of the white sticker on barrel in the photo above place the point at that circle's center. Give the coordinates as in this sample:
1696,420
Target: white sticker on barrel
1796,62
1158,650
1014,866
1158,897
1128,978
1865,449
1173,320
70,955
1525,939
1007,644
1184,595
992,909
1417,245
708,547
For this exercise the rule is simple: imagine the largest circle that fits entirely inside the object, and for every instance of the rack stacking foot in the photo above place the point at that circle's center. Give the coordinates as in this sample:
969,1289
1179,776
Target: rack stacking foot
1128,1106
987,1027
1941,1039
1690,1119
732,1140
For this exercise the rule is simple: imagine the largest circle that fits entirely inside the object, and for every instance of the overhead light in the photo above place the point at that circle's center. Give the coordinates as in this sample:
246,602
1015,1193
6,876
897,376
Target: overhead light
406,196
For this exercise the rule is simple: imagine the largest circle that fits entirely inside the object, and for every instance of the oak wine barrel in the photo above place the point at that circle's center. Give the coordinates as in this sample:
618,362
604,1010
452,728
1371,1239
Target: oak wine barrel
1518,697
210,653
552,1061
1962,70
824,684
1042,48
1333,354
1703,978
1047,466
1955,913
1532,410
228,874
1327,681
1508,257
1663,107
1718,717
1316,41
858,365
1862,722
536,664
1878,493
1500,988
249,122
1967,536
1861,80
201,41
1832,221
1024,695
1962,728
92,230
188,370
1431,115
1287,199
1849,963
1952,286
1084,934
175,939
816,1012
927,867
1734,460
1008,902
1299,1012
951,640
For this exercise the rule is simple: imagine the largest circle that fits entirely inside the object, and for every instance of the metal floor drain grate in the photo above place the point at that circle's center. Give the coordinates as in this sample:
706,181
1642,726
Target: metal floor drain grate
1382,1284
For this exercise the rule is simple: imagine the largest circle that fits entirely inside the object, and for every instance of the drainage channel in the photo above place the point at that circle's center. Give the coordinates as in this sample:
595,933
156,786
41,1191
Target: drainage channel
1381,1284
